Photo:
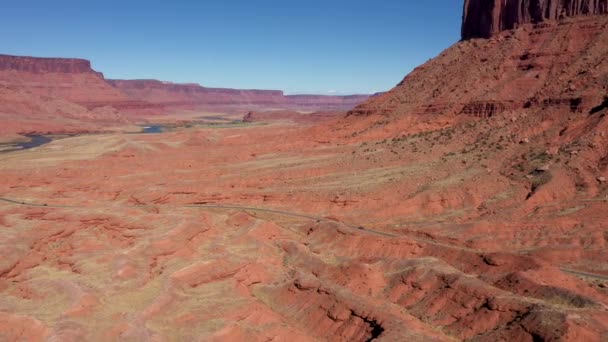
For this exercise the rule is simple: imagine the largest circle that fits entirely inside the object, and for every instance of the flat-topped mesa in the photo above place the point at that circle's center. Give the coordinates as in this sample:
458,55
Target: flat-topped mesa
69,79
172,94
186,87
45,65
155,91
484,18
319,102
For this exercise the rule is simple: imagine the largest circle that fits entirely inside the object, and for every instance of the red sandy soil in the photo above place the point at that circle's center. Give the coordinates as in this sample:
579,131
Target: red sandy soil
468,207
118,254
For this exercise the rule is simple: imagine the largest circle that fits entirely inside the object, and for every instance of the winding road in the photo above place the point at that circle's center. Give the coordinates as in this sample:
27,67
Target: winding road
216,206
279,212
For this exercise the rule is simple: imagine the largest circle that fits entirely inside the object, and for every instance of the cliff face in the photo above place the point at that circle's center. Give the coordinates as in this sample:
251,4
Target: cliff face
43,95
68,79
484,18
45,65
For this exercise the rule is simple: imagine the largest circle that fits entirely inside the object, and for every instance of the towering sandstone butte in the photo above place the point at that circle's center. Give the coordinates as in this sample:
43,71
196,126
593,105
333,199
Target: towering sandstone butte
484,18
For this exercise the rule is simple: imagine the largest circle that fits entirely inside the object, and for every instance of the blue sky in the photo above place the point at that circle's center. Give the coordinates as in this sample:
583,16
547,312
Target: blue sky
343,46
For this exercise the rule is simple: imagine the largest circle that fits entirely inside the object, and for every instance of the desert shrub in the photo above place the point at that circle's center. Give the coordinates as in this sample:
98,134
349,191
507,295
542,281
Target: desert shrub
541,179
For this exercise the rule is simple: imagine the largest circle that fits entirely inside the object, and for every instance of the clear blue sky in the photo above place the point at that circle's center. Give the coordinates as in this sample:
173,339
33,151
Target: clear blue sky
306,46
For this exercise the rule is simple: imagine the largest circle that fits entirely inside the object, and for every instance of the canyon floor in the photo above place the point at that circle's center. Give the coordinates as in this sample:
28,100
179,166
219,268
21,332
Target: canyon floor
274,232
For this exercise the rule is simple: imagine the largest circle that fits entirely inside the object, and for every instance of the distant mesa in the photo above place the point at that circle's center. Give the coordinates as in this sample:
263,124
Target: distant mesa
291,116
192,94
74,80
66,94
45,65
66,79
484,18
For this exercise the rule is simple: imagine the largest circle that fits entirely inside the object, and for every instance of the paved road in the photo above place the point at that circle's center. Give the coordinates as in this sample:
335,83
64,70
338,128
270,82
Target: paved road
584,274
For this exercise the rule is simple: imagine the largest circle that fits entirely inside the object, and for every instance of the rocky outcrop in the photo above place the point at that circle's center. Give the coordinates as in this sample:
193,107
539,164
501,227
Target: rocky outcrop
484,18
45,65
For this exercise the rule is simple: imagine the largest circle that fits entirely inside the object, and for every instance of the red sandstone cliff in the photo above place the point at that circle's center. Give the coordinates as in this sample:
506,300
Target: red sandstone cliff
45,65
45,94
55,95
291,116
526,109
484,18
68,79
540,69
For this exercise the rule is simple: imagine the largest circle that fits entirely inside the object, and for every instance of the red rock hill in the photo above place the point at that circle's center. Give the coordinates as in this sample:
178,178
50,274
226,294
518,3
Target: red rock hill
557,67
525,110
